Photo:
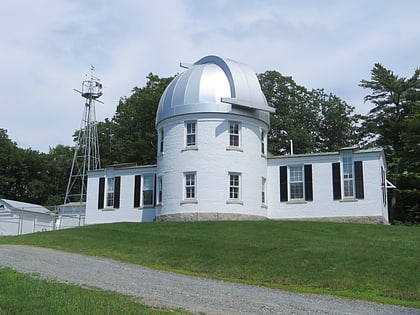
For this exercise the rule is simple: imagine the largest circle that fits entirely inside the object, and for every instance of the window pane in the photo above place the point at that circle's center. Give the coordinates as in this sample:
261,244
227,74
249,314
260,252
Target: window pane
348,188
148,188
296,190
110,192
234,141
161,139
234,134
234,186
263,190
348,176
296,182
190,186
262,142
190,140
296,173
160,188
190,132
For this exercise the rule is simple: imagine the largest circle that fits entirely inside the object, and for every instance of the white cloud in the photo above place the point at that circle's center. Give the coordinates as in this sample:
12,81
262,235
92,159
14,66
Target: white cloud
47,47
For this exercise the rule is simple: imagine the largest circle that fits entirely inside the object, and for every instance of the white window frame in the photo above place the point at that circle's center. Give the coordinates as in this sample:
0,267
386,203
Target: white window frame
160,190
263,136
143,190
235,187
263,191
348,180
161,140
190,186
296,182
235,133
190,133
110,192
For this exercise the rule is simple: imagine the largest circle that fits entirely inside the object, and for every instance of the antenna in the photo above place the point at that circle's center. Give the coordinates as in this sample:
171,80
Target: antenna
86,152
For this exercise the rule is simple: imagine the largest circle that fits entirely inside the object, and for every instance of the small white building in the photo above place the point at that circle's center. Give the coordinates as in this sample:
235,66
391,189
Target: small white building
213,164
18,218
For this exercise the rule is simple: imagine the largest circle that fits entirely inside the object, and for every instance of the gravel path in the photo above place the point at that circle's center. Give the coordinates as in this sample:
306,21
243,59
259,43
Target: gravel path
160,288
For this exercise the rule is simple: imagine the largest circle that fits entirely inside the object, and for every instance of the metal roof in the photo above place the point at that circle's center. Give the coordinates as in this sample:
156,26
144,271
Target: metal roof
215,85
19,205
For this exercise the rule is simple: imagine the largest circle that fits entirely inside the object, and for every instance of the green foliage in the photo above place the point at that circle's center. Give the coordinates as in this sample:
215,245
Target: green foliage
314,120
394,124
24,294
30,176
131,135
372,262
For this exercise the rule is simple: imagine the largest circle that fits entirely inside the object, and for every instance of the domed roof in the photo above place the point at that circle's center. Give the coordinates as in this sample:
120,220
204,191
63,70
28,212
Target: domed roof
214,85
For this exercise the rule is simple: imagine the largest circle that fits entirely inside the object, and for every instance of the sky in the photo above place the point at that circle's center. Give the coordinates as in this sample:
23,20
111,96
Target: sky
47,48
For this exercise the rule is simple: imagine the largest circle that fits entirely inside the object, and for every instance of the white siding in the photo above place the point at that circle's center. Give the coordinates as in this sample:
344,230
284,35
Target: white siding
126,212
323,204
212,161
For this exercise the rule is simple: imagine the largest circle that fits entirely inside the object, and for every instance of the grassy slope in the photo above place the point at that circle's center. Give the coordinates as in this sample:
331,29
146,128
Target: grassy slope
24,294
372,262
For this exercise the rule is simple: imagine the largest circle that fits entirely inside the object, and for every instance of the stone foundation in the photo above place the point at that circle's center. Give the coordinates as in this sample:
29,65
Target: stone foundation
364,219
219,216
209,216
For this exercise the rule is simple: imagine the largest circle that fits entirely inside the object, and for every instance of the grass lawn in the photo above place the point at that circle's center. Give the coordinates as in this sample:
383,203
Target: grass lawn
23,294
370,262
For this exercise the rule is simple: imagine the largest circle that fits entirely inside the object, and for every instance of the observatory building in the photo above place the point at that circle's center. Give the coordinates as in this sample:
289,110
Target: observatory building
213,164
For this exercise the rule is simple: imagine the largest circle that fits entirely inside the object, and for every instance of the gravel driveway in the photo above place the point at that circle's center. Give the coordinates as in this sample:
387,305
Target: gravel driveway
160,288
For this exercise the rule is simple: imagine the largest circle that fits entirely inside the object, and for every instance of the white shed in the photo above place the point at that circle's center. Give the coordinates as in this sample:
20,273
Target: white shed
18,217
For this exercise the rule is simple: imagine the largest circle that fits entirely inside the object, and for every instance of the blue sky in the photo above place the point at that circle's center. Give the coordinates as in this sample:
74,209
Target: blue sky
47,47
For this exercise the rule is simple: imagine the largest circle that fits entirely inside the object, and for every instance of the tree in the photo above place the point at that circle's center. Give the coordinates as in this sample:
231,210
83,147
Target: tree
29,176
314,120
58,164
8,150
132,137
394,124
337,122
294,118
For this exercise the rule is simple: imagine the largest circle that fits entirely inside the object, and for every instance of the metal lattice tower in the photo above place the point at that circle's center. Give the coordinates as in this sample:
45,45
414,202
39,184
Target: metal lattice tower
86,152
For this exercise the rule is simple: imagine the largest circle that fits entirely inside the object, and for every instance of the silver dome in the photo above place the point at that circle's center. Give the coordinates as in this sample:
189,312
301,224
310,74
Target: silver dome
214,85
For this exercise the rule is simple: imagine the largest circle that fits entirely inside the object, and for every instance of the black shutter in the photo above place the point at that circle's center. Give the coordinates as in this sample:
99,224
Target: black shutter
117,184
336,179
137,183
101,192
308,182
283,183
358,175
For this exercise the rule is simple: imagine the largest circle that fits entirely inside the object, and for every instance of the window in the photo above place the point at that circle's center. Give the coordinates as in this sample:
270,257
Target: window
296,183
234,133
160,189
111,197
190,186
263,188
262,141
234,186
348,175
348,190
190,131
110,192
161,140
148,190
144,190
